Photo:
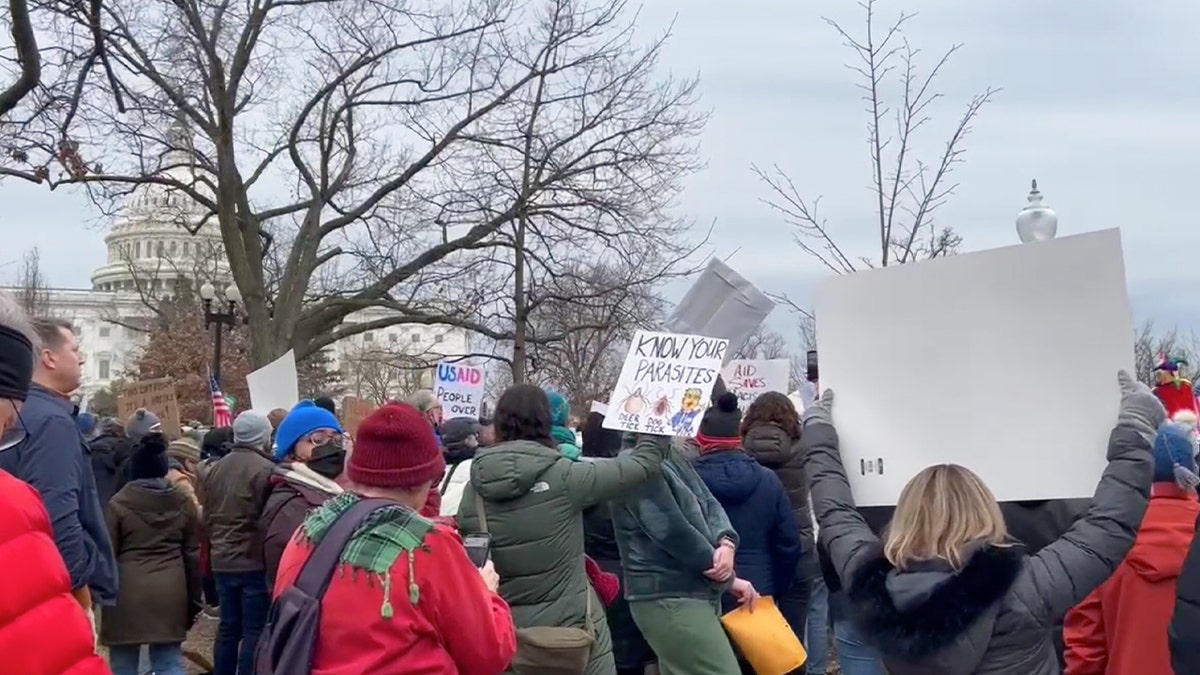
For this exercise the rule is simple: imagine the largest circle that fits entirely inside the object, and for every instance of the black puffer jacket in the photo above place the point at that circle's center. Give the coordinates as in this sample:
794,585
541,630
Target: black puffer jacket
1184,632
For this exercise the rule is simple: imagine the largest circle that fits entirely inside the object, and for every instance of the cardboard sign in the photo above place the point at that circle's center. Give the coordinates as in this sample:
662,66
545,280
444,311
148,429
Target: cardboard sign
157,396
1003,361
665,384
459,388
750,378
354,411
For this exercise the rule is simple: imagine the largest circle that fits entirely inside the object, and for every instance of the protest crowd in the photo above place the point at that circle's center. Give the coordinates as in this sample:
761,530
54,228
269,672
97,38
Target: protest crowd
550,540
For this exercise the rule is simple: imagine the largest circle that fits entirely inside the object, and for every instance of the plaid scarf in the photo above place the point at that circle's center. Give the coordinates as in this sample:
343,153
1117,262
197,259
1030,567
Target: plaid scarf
376,544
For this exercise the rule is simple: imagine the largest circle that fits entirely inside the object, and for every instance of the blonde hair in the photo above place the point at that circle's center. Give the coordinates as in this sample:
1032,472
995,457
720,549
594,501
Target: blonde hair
941,512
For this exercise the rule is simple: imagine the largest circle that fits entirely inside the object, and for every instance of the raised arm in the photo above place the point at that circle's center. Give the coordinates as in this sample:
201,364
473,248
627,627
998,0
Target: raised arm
1062,574
846,535
589,483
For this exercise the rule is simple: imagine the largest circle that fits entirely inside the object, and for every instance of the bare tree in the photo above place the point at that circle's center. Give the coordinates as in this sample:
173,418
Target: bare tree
620,138
26,54
906,191
594,314
380,121
1150,346
31,289
380,373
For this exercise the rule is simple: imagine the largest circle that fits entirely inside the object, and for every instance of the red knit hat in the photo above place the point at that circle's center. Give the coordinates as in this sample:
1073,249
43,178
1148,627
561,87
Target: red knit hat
395,448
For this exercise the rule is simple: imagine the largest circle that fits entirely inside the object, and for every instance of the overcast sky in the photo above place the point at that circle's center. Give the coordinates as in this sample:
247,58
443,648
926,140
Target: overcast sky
1098,104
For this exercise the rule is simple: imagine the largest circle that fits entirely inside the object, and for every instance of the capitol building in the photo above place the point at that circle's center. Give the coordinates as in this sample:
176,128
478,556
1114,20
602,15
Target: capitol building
151,252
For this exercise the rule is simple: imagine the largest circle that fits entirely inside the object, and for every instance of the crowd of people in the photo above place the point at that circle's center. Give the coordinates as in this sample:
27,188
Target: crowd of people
538,542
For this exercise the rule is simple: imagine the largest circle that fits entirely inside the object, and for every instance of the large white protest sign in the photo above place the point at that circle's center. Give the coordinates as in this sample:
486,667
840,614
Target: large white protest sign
275,385
459,388
721,304
750,378
665,383
1004,361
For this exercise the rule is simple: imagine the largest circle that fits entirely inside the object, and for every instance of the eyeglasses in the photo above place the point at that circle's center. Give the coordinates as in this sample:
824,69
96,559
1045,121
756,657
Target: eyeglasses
319,438
15,435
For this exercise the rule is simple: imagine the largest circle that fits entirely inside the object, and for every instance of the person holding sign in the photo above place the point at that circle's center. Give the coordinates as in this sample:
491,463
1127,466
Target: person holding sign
947,591
529,499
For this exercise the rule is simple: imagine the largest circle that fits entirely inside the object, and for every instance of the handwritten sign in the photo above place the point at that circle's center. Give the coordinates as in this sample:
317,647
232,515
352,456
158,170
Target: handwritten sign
157,396
751,378
354,411
665,384
459,388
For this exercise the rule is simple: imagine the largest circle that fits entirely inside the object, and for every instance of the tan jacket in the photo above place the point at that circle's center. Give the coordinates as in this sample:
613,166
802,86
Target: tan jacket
185,483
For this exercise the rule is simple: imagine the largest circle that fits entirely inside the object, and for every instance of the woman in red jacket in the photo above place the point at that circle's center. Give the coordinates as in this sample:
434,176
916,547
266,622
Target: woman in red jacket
1121,628
408,594
43,628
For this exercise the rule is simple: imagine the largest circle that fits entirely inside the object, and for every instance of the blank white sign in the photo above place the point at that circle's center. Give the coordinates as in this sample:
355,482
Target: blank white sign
1004,361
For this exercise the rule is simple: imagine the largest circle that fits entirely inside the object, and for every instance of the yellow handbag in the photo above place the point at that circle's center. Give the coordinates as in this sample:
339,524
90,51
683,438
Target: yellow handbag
764,638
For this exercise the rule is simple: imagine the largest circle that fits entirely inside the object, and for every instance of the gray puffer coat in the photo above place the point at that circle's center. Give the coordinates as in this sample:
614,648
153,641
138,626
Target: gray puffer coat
991,617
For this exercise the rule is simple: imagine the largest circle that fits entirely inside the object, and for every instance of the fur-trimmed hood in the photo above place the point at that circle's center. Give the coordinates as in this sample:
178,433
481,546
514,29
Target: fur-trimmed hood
930,616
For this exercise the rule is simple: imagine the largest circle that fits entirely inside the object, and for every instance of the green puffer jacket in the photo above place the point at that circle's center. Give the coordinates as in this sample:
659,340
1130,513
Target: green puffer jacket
534,500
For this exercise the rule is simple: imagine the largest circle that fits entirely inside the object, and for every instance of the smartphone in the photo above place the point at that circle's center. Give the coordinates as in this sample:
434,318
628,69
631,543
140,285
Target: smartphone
479,548
811,366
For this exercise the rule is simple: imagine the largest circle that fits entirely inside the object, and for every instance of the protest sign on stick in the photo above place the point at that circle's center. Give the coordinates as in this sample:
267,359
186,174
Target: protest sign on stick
459,388
665,383
157,396
750,378
1004,361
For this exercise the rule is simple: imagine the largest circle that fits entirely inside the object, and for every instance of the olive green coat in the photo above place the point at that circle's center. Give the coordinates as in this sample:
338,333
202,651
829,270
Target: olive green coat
534,500
154,530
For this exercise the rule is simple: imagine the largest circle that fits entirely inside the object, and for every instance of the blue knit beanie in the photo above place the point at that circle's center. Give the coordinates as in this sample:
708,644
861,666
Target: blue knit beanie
304,419
560,409
1175,456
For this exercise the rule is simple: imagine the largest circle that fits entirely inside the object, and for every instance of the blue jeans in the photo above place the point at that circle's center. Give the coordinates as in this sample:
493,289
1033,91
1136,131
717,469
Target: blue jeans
816,632
245,601
854,655
165,659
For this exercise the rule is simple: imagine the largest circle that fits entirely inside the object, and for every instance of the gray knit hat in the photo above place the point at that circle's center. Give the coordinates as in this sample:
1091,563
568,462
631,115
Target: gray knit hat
142,423
252,430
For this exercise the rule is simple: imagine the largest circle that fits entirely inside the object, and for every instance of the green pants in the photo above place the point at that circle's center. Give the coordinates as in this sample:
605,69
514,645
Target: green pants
687,636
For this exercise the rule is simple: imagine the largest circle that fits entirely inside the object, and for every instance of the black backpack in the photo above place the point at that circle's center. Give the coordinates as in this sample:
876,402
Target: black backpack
288,640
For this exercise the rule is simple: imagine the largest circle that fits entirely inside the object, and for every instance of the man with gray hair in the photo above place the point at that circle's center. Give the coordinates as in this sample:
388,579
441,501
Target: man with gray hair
427,402
54,458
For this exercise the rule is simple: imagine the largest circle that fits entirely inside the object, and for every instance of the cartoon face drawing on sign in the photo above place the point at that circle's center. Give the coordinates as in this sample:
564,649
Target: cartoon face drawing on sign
689,408
634,403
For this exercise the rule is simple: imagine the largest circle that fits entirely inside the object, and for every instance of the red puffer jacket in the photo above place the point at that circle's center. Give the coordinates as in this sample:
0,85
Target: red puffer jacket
43,629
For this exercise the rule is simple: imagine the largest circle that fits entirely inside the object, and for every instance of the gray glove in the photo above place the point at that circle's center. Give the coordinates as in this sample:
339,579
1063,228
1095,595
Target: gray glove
821,410
1140,408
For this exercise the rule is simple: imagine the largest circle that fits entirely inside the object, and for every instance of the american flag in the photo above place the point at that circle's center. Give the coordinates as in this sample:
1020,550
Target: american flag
221,415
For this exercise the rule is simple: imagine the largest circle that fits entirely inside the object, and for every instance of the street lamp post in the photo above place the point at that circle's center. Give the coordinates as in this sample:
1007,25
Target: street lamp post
219,320
1037,221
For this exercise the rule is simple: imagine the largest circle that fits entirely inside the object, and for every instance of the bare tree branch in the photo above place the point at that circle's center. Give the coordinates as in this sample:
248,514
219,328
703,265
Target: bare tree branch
906,191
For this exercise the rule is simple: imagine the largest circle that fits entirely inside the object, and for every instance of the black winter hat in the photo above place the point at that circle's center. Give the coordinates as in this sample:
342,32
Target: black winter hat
149,459
217,442
722,420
